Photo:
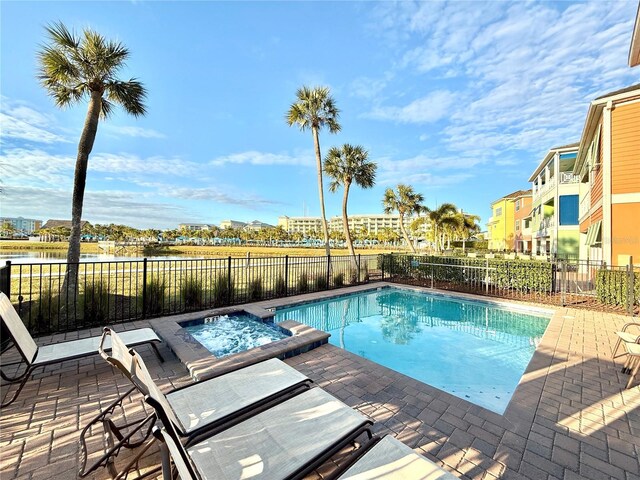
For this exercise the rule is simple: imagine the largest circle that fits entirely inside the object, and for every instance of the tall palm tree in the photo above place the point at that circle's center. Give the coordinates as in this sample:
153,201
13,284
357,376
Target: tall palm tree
442,216
404,201
73,68
346,165
313,110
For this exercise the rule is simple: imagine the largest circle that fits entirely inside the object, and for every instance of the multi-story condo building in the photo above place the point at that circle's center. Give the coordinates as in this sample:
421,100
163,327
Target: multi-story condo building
554,209
373,224
608,167
522,219
194,227
501,224
257,225
25,226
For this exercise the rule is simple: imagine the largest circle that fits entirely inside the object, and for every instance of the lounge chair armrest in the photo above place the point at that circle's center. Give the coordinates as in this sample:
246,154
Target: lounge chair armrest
105,332
630,324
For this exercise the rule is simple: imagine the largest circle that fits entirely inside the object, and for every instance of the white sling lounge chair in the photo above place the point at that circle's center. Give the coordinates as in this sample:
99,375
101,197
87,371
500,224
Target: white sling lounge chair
203,408
34,356
627,337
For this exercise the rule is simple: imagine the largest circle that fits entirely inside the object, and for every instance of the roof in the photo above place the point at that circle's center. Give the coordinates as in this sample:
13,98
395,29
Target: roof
516,194
549,156
618,92
61,223
634,48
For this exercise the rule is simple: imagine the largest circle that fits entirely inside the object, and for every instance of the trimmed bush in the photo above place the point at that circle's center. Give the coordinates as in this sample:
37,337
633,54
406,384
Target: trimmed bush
255,289
353,275
96,302
223,290
280,288
192,293
155,296
303,283
338,279
612,287
320,282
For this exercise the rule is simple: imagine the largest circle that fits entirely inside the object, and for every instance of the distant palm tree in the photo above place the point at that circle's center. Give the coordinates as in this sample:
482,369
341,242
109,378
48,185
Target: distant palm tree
346,165
444,215
406,202
73,68
314,109
467,226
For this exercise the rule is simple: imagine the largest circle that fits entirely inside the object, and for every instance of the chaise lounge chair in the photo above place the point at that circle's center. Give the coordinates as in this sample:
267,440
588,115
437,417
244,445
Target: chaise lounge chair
203,408
34,356
627,337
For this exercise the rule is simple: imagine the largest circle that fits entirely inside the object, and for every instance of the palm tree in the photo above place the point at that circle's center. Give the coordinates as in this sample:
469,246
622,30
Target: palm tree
404,201
467,226
73,68
345,166
314,109
442,216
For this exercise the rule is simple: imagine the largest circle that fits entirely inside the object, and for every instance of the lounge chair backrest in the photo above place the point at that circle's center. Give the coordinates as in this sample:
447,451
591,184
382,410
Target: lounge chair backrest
21,337
178,454
120,356
142,379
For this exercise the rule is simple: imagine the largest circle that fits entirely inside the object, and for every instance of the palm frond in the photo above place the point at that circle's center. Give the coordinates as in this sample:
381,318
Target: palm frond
61,36
129,95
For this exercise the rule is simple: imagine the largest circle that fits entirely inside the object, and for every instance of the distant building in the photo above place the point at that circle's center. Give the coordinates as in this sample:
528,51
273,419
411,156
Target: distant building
232,224
61,223
257,225
554,210
501,224
372,223
522,218
194,227
303,225
22,225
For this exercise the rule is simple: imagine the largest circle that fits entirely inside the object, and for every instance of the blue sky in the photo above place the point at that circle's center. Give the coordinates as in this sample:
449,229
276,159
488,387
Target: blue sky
459,99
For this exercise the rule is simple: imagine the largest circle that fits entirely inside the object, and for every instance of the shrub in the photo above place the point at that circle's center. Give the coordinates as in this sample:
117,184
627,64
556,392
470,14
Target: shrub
280,288
46,310
96,302
303,283
612,287
223,290
192,293
364,272
154,303
255,289
338,279
321,283
353,275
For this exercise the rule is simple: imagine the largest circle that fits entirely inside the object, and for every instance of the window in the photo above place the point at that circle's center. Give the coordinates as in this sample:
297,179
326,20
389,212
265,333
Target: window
526,224
517,205
568,209
498,211
517,225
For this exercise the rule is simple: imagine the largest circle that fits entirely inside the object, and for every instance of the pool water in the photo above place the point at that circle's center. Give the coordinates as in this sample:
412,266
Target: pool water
228,334
473,350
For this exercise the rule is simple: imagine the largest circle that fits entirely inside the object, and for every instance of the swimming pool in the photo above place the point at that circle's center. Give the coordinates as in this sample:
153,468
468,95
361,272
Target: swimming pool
228,334
474,350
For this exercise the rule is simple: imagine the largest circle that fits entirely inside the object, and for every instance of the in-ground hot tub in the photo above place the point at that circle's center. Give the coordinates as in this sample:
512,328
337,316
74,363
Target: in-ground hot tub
233,333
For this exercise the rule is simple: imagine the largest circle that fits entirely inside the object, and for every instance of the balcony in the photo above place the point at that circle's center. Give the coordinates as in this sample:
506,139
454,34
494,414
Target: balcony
545,189
568,177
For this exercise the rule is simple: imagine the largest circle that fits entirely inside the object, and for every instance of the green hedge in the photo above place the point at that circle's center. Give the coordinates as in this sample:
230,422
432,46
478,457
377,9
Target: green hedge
612,287
521,275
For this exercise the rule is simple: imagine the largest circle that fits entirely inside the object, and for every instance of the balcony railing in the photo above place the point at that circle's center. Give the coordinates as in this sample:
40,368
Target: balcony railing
568,177
546,187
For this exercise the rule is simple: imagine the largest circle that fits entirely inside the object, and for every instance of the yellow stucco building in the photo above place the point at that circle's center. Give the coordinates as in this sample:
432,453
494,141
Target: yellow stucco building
501,224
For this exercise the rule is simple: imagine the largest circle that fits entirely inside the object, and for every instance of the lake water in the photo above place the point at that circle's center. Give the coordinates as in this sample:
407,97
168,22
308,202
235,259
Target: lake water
54,256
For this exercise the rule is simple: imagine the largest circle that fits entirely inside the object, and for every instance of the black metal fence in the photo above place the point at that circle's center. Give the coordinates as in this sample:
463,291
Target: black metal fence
111,292
560,281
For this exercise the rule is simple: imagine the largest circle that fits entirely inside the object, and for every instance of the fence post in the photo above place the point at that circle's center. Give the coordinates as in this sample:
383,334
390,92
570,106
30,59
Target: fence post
359,266
486,276
432,269
286,275
563,282
144,287
5,279
329,272
382,266
229,281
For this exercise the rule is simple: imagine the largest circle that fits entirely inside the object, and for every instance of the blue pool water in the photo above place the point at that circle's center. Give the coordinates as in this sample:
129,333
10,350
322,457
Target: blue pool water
473,350
228,334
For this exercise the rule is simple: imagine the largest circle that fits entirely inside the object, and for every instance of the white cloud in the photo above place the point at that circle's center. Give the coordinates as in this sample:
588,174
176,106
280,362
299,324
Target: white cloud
427,109
19,121
424,169
131,131
263,158
230,197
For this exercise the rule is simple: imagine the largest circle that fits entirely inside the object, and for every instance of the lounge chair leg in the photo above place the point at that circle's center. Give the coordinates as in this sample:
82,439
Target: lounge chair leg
24,378
615,350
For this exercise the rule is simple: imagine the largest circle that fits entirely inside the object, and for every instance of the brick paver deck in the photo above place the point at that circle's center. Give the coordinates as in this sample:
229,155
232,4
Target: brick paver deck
569,418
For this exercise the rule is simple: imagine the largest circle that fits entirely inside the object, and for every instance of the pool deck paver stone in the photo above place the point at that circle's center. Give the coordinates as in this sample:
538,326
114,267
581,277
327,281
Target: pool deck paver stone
570,417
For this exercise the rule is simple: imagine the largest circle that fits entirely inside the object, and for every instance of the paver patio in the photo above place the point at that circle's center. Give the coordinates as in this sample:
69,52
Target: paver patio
569,418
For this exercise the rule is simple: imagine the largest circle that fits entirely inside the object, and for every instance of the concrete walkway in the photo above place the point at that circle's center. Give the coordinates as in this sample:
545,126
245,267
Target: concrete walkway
569,418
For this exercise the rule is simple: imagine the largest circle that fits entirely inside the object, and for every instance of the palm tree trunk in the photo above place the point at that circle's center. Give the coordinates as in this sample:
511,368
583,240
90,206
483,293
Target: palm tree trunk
70,285
345,225
325,229
405,235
